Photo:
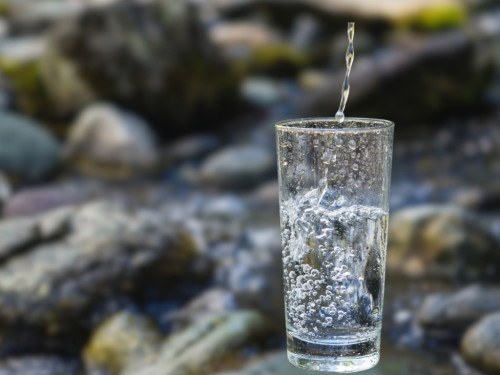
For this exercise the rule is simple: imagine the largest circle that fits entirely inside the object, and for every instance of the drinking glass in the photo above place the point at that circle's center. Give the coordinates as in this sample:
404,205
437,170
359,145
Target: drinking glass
334,182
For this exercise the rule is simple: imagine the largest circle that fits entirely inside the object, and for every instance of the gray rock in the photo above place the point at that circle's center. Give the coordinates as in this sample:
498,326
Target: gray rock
418,65
239,39
205,344
191,148
5,189
36,200
108,142
444,241
26,150
22,49
38,366
168,71
481,344
120,342
127,344
457,311
208,304
76,258
252,271
238,167
28,16
274,364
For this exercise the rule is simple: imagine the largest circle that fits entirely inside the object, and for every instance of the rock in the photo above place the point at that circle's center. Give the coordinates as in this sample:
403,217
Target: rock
267,194
39,366
191,148
224,208
457,311
126,344
22,49
168,71
274,364
33,201
208,304
238,167
418,64
5,189
204,345
35,16
262,91
108,142
27,151
481,344
240,39
249,270
78,258
19,64
444,241
422,13
120,341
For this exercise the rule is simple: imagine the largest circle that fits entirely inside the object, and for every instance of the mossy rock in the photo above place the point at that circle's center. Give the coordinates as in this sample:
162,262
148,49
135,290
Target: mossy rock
29,91
436,17
277,60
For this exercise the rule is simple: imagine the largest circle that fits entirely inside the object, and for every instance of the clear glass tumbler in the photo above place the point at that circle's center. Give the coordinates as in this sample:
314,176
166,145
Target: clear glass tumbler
334,199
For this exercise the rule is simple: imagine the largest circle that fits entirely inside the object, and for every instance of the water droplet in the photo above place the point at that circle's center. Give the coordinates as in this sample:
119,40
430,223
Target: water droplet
352,144
355,167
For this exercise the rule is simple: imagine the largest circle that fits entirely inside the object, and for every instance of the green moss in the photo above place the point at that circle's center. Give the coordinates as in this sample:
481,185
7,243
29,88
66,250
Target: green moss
279,60
28,87
4,8
440,16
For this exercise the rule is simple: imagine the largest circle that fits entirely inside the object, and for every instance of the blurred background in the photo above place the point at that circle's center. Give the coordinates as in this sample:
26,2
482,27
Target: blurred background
139,230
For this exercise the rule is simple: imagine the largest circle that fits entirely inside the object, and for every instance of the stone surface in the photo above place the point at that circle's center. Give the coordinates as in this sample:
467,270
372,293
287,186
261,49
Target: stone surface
27,151
33,201
191,148
481,344
126,344
5,189
185,81
457,311
121,341
445,241
212,302
238,167
425,13
106,141
39,366
68,262
249,270
417,64
205,345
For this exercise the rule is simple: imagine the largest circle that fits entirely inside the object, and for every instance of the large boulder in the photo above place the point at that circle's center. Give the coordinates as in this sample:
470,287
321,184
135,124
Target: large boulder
457,311
444,241
58,268
481,344
418,64
27,151
167,70
108,142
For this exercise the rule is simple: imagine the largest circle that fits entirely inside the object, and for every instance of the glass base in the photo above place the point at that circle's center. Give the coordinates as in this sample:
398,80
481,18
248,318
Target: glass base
340,355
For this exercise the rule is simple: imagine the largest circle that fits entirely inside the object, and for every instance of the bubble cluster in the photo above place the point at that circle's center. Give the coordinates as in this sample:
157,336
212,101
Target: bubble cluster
333,255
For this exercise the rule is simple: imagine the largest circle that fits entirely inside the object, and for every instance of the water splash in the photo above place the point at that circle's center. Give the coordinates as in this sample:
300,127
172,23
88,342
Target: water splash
349,58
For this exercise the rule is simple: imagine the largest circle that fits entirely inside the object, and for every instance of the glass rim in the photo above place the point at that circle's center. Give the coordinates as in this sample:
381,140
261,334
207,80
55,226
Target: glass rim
295,124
